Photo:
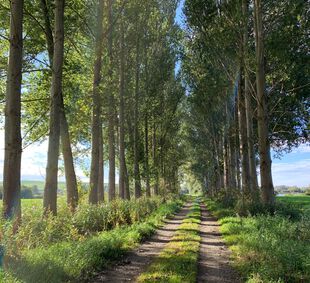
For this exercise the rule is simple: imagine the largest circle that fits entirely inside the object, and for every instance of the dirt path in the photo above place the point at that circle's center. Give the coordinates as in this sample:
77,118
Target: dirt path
213,255
136,262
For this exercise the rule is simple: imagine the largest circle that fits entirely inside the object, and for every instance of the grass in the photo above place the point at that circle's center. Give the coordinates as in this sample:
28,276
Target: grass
302,202
47,256
177,263
268,248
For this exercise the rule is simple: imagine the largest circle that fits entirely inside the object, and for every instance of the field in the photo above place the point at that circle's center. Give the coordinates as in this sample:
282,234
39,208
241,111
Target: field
269,248
301,202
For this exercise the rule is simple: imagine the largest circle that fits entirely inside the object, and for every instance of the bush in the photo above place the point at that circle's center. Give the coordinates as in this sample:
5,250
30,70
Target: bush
270,244
76,260
36,231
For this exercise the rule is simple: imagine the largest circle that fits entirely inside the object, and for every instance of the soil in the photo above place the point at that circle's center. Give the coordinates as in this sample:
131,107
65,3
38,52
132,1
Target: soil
214,257
136,261
214,264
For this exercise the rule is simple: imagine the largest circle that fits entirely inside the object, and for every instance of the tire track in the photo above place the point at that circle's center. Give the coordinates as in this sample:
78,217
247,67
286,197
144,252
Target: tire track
136,261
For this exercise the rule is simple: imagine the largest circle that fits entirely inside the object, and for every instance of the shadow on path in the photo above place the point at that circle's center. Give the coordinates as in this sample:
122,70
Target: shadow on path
136,261
213,264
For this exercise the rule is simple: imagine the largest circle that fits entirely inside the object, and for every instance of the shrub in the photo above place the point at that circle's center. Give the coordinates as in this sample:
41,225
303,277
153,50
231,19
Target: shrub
77,260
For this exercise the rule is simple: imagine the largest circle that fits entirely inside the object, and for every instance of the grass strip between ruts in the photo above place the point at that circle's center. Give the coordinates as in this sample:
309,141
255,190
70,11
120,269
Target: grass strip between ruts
178,261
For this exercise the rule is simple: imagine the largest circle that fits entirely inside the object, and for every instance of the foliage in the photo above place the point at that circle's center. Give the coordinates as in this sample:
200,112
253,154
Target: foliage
72,259
35,231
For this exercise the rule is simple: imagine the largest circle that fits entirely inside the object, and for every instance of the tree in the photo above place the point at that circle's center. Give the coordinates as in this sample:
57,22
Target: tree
111,107
71,183
262,111
96,116
122,159
51,180
13,142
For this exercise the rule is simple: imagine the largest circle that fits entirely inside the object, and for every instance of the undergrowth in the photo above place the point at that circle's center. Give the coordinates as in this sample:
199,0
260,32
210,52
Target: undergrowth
62,255
267,247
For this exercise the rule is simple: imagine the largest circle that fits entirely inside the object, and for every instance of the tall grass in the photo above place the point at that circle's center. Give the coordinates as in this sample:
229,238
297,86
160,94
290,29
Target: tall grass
70,247
268,247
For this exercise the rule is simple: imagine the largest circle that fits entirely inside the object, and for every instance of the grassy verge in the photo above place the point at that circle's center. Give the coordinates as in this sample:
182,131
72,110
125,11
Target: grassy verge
267,248
178,261
77,260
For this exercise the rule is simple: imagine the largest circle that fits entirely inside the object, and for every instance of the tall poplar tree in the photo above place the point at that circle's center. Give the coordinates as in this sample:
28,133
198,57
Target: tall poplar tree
51,180
13,142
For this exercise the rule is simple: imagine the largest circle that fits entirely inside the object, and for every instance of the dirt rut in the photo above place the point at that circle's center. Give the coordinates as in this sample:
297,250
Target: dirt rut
136,261
214,265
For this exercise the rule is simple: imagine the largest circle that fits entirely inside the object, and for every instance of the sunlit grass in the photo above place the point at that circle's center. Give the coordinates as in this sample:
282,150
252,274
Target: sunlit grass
177,263
56,251
300,201
268,248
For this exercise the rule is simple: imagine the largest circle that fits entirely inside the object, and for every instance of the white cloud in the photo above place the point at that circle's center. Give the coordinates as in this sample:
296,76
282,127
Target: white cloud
33,161
291,173
304,148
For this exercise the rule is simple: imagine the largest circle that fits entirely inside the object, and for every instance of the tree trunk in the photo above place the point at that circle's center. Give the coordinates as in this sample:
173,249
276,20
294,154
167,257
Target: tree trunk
101,168
13,141
245,176
71,183
127,187
51,180
147,175
232,162
237,151
155,163
226,162
111,110
252,159
262,112
96,126
248,105
122,160
136,125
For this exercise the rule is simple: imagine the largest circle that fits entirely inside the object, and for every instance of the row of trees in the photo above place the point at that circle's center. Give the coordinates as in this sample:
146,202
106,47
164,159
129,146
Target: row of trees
109,67
245,68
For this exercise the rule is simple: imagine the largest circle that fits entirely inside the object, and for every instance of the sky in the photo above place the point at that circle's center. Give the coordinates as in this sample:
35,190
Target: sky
292,169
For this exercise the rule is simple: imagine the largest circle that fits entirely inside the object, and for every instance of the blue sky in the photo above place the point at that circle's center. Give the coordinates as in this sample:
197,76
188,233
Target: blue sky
291,169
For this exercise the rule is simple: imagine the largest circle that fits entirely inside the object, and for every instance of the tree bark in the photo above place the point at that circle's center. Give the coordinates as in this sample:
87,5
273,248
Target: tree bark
96,116
262,112
155,161
245,176
101,168
111,109
13,141
147,169
51,181
248,105
232,161
122,160
127,187
225,163
252,159
136,125
146,127
71,182
237,151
